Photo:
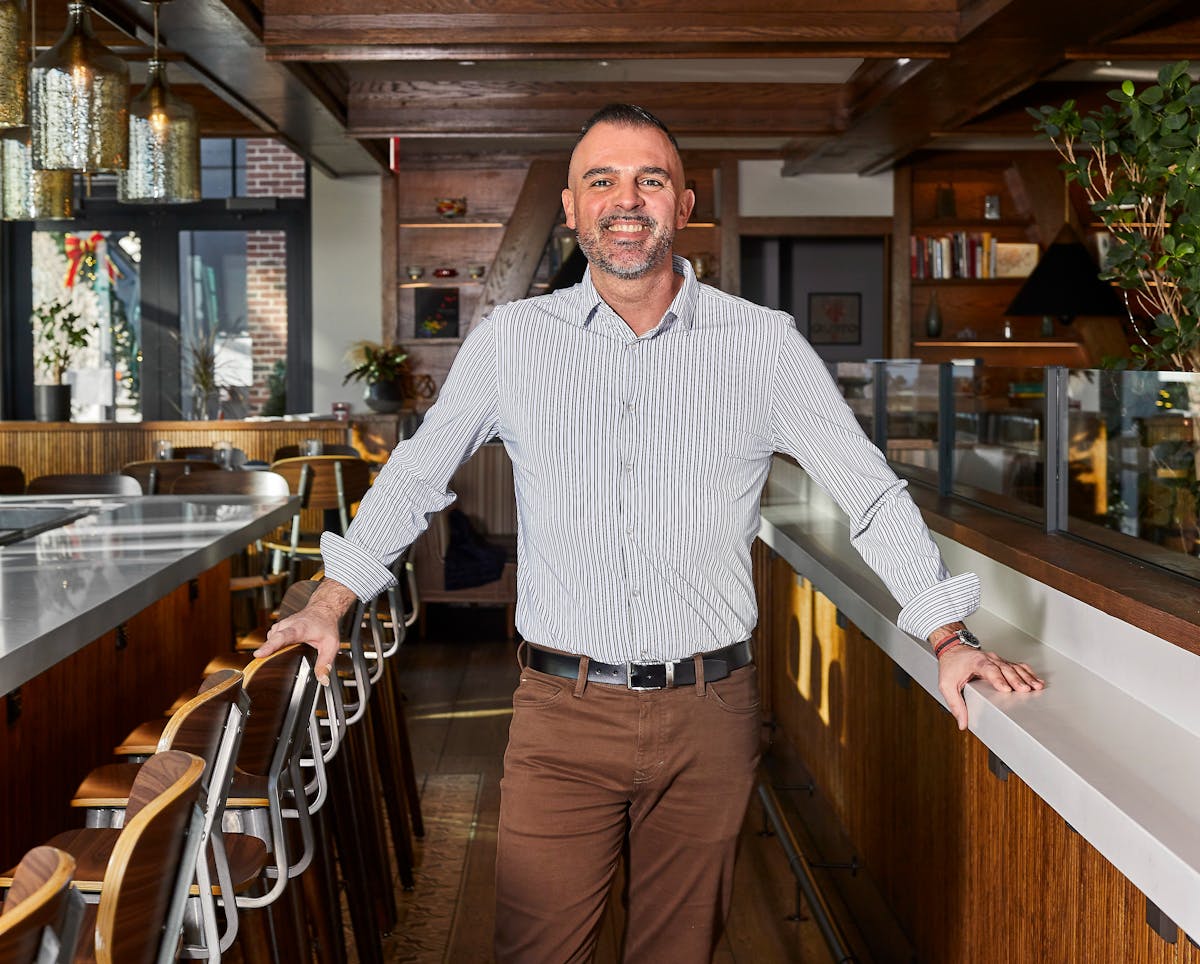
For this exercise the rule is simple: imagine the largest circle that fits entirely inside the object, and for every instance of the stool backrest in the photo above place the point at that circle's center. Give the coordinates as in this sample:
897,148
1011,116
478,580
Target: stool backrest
152,863
231,483
338,481
36,900
327,448
198,726
268,682
156,476
82,483
12,480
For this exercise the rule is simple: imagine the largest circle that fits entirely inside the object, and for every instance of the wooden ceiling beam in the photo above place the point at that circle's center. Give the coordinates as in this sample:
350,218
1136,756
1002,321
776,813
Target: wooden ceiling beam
1024,40
400,108
649,50
287,23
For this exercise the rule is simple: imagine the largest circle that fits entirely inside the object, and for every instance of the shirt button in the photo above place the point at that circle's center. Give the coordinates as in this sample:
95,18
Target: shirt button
629,530
635,592
628,406
628,466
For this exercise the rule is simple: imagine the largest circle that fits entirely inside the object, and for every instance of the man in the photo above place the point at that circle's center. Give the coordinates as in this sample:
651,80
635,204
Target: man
640,410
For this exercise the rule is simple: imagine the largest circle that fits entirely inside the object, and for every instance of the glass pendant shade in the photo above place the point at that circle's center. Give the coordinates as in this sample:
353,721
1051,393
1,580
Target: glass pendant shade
14,64
164,146
30,195
80,102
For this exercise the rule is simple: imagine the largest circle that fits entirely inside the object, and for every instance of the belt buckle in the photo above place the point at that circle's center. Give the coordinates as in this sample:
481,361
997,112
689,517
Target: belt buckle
668,676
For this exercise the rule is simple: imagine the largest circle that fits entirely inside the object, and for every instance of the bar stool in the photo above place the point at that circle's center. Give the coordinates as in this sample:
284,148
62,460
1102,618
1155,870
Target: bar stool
40,900
158,475
327,448
83,483
210,727
12,480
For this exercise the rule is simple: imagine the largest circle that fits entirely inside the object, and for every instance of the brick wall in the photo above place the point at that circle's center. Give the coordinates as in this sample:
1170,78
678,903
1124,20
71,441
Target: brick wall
272,170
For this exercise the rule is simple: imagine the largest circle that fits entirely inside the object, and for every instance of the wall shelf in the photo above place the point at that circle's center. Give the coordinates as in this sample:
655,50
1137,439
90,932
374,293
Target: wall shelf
437,223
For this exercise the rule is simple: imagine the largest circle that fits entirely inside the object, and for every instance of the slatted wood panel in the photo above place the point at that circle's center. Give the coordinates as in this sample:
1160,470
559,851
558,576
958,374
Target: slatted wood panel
45,449
73,714
974,869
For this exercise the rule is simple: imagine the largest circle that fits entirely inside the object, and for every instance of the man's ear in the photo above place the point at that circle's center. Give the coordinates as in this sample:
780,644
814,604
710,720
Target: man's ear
687,201
568,203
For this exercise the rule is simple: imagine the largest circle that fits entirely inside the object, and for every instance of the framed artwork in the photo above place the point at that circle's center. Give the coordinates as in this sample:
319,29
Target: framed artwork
835,318
435,311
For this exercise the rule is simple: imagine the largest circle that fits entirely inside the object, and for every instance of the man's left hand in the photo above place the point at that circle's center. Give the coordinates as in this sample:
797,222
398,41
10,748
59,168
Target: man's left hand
961,664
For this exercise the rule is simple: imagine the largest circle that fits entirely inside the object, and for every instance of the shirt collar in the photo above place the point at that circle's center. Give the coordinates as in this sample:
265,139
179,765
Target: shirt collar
682,309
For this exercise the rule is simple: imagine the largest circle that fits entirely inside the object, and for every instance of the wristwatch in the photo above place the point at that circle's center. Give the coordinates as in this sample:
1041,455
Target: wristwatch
964,636
968,638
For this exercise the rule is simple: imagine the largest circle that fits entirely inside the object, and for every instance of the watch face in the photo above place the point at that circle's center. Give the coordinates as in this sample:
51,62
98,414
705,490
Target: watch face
968,638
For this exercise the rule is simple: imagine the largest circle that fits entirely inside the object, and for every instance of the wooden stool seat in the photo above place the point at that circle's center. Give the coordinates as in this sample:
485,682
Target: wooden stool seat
248,790
228,661
247,583
106,786
143,740
247,856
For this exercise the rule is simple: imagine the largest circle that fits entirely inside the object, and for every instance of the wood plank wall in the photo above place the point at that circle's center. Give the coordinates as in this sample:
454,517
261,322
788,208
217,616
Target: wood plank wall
973,868
71,716
46,448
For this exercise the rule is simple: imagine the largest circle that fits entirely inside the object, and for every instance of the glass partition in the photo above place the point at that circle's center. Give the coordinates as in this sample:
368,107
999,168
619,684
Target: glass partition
1110,456
1131,455
1000,438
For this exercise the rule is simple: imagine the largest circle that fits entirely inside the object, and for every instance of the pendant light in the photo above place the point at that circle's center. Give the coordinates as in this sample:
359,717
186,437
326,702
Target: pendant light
14,64
164,142
27,194
80,101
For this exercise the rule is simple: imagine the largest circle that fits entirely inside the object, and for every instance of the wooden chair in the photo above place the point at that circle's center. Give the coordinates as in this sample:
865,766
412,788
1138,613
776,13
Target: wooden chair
231,483
334,483
327,448
81,483
38,899
12,480
237,457
158,475
429,563
209,727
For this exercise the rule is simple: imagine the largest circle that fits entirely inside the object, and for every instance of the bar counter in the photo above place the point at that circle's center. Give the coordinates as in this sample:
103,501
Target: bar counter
103,622
1111,745
61,589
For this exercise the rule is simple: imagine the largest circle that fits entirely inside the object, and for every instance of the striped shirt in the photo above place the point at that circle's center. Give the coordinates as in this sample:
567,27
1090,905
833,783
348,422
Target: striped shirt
638,464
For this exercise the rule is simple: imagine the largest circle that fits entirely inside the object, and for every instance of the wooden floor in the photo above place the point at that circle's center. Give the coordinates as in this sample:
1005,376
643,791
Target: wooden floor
459,684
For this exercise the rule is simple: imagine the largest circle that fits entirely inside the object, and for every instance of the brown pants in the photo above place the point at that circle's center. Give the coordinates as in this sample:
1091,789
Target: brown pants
592,768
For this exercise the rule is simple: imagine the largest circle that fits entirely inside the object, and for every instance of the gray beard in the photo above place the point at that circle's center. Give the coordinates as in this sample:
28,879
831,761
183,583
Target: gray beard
659,251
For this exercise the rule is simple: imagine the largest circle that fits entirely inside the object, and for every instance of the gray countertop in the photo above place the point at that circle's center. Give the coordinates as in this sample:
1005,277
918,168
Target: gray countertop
65,587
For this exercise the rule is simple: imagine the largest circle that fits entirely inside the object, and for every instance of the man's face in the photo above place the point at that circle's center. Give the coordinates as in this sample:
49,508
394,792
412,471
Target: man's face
625,199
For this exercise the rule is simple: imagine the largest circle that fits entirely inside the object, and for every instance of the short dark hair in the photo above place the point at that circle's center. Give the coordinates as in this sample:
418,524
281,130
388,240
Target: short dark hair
625,115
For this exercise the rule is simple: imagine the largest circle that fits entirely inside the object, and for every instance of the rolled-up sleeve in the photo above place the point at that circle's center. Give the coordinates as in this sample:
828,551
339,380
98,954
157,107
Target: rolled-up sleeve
813,424
415,481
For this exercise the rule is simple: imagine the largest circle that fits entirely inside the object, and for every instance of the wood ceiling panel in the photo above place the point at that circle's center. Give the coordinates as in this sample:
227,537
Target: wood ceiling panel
286,23
394,108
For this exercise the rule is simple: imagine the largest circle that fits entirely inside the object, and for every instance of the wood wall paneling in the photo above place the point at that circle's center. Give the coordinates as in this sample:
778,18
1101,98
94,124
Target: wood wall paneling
47,448
973,868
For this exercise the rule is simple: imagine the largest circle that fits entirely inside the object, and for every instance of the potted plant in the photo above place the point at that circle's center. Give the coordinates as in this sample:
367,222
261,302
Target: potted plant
383,369
59,335
1138,161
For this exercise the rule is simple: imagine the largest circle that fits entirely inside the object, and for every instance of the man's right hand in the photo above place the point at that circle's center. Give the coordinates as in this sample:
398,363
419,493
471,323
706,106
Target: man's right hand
316,624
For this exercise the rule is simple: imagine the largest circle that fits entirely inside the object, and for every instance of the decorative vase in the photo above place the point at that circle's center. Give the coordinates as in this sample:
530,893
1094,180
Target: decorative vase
52,403
384,397
933,317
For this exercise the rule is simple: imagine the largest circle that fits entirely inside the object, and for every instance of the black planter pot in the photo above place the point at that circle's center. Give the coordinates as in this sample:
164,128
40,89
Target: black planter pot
52,403
384,397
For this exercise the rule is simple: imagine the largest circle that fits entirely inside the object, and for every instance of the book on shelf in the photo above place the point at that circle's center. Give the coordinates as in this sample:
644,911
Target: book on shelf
960,254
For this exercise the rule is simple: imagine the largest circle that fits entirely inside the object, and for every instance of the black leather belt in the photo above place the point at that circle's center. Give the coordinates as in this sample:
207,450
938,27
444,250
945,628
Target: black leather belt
718,664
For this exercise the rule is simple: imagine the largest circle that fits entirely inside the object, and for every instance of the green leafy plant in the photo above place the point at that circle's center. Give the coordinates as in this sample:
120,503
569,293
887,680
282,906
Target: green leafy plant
276,403
374,362
60,335
1139,164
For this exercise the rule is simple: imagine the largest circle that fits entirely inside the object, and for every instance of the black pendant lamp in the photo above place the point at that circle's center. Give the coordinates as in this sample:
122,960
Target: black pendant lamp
1066,284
